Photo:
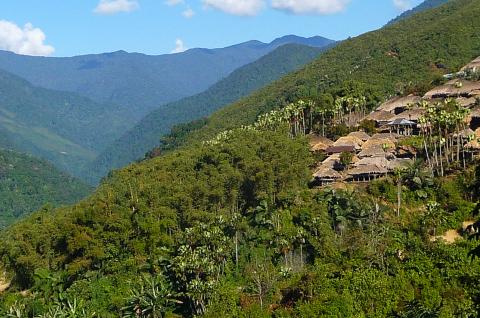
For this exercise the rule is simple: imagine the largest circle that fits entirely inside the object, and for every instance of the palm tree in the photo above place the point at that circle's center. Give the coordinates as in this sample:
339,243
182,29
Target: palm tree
153,299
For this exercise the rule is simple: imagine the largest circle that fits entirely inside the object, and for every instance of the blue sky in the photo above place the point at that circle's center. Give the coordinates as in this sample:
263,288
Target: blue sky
66,28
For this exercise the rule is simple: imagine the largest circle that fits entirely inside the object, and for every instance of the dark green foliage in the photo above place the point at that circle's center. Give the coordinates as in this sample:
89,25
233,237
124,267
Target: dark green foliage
389,61
426,5
147,133
27,183
231,229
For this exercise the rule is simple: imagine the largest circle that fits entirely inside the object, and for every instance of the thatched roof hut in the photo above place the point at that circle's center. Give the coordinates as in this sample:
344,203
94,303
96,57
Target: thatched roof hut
381,162
327,174
363,136
332,161
413,114
455,88
391,136
372,151
367,172
349,141
319,143
398,104
473,65
339,149
380,117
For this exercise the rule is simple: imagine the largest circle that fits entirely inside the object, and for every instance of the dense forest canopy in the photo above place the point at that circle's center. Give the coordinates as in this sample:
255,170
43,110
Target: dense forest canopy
231,224
27,184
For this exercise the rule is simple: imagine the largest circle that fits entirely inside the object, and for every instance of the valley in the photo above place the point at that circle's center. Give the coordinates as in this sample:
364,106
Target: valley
318,179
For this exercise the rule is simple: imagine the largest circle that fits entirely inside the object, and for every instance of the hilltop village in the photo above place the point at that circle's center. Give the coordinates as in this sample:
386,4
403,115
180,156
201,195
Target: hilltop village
446,117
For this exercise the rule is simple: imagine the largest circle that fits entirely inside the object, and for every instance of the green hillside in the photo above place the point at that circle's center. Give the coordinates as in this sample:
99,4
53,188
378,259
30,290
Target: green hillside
426,5
233,226
147,133
27,183
394,59
62,127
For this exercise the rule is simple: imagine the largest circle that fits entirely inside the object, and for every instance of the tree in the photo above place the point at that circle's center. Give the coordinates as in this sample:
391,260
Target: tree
346,159
152,299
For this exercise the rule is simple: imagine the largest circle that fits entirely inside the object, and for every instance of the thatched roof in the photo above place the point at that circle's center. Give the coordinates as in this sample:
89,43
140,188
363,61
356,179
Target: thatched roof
350,141
380,116
466,101
398,102
413,114
474,144
363,136
381,140
401,122
326,173
319,143
377,161
331,162
473,65
391,136
374,151
455,88
368,170
340,149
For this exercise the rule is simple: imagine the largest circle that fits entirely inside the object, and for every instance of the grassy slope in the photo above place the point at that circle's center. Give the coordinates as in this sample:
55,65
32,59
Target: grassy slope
147,133
27,183
449,34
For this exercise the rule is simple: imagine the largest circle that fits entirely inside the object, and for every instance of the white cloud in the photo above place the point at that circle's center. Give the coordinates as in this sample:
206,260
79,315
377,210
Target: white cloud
179,46
173,2
188,13
115,6
310,6
236,7
402,5
27,40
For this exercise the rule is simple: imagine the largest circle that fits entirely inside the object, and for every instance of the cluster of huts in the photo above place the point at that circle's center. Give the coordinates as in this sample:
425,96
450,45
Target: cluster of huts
376,156
372,157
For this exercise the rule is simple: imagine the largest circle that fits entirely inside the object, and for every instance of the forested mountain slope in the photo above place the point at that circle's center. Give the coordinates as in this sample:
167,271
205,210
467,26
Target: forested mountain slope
62,127
137,81
394,59
27,183
426,5
147,133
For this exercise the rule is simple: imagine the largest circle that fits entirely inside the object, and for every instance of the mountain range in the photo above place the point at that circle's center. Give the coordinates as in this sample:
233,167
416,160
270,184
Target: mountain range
57,108
141,82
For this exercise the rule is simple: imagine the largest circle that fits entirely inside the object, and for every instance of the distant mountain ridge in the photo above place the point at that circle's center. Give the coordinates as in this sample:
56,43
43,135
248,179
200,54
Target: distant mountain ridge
141,82
426,5
147,133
